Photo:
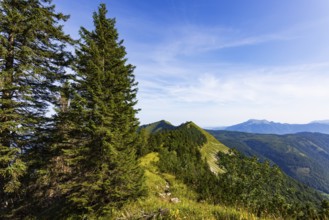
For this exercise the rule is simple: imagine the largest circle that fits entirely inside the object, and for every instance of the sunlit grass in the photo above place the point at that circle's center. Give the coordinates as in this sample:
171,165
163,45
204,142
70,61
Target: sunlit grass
158,203
210,149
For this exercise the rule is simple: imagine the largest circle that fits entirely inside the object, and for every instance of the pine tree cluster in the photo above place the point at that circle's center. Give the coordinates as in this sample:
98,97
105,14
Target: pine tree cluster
80,161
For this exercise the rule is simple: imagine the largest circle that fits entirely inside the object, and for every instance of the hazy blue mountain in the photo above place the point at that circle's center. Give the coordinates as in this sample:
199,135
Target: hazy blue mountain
303,156
269,127
321,121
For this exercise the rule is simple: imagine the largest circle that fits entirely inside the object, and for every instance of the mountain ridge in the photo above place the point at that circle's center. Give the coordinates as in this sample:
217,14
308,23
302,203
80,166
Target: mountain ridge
208,150
178,165
157,126
270,127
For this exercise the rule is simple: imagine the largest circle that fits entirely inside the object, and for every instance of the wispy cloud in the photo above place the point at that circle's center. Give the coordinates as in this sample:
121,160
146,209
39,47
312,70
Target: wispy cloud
249,84
175,88
193,40
284,90
216,72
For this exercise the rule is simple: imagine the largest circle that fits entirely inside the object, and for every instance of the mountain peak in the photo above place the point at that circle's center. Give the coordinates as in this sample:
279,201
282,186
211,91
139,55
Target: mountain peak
320,122
190,123
158,126
270,127
256,121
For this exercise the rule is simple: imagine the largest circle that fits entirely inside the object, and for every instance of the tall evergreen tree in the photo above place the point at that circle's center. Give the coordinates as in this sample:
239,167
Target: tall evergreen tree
101,124
32,59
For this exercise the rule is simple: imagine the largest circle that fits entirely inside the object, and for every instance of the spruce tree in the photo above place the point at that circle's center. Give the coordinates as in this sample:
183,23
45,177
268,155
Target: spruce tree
101,124
32,60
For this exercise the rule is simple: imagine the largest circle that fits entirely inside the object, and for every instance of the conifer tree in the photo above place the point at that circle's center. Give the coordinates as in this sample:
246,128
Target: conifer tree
32,59
101,123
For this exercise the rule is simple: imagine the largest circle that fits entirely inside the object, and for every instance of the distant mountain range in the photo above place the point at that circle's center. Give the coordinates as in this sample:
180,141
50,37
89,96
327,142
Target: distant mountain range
269,127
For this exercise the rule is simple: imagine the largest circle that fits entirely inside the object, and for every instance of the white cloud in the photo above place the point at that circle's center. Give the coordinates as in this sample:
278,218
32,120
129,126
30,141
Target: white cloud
286,94
176,87
213,93
193,40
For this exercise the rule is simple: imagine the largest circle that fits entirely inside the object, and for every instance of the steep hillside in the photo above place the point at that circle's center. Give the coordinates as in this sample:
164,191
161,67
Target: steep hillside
269,127
179,159
209,148
303,156
169,198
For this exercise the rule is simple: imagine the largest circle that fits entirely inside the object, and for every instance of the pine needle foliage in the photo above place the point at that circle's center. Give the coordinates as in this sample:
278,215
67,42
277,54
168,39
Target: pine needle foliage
32,60
100,125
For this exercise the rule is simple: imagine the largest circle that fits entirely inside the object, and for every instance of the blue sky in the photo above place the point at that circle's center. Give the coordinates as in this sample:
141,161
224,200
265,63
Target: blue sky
221,62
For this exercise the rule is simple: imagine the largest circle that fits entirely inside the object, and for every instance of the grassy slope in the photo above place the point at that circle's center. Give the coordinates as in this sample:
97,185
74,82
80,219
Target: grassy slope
187,208
210,149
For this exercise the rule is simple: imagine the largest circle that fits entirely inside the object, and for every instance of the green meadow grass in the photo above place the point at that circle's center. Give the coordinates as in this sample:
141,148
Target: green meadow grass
187,208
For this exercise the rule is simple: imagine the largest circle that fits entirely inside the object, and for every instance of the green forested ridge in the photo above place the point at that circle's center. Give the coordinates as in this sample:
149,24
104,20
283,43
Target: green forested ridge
303,156
264,188
244,182
90,160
